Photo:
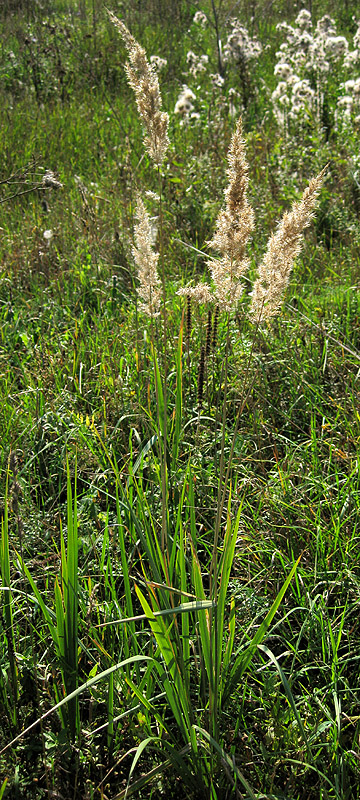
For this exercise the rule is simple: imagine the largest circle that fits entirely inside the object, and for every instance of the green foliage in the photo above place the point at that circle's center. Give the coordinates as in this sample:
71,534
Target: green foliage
179,585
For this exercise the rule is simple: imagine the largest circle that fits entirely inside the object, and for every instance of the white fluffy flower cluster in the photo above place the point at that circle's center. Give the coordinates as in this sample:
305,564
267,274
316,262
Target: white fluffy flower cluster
200,19
196,64
158,63
184,104
239,46
304,61
348,104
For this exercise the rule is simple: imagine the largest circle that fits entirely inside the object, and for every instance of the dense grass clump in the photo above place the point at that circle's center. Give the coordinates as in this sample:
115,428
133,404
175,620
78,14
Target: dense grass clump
179,401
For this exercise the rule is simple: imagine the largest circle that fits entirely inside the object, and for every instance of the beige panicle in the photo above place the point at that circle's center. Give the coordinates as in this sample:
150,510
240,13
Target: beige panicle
199,293
233,227
283,247
146,260
143,79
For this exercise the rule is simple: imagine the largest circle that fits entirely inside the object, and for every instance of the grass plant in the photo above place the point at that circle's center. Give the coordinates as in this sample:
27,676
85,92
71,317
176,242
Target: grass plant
179,538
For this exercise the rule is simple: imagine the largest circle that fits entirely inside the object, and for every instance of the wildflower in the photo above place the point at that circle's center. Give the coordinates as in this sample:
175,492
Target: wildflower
336,46
303,20
146,261
283,247
216,80
344,107
48,235
239,45
326,26
143,80
158,63
233,227
196,64
283,70
200,19
184,104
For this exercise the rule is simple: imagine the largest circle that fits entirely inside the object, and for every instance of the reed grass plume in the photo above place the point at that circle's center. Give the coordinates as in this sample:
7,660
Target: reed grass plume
233,227
143,79
146,260
283,247
234,224
200,293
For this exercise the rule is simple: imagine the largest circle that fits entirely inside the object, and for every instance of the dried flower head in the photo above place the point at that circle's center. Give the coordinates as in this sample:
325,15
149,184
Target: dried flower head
200,19
199,293
146,261
233,227
49,180
143,79
184,104
283,247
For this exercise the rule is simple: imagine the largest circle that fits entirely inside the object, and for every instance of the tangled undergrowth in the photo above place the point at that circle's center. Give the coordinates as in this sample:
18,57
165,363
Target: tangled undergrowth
180,494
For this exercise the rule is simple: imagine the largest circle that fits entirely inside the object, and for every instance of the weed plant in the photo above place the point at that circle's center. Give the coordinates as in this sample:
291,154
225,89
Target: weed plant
180,495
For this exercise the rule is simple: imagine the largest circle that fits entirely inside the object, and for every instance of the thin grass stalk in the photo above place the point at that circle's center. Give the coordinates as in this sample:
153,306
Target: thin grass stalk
164,476
71,604
7,603
110,712
243,401
219,508
126,578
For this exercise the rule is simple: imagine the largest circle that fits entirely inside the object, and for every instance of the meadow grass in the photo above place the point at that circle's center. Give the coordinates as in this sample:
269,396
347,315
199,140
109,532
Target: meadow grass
179,575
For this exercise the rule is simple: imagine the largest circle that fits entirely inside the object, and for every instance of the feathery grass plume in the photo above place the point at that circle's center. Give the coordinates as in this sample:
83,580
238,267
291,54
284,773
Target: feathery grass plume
283,247
233,227
200,293
146,261
143,79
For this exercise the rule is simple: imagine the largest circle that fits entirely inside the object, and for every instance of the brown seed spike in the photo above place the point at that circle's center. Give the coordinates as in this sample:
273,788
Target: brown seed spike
208,335
188,318
215,328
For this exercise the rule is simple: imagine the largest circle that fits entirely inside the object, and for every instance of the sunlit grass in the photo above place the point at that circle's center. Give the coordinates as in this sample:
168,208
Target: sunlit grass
223,690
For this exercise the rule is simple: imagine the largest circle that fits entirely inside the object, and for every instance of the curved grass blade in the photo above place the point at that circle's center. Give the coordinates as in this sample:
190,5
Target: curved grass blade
244,659
76,693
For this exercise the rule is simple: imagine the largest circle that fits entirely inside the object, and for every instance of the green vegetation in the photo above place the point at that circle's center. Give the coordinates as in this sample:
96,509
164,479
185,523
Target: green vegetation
179,552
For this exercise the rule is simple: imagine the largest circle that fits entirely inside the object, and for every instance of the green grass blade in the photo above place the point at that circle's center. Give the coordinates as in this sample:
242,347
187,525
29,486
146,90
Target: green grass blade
178,402
179,699
289,695
80,689
226,758
243,661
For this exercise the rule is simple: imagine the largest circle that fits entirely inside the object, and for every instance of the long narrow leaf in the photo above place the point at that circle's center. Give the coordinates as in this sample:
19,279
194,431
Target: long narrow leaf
178,697
76,693
244,659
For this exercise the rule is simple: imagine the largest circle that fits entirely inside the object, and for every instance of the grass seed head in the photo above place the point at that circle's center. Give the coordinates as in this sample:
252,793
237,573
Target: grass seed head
215,328
200,293
143,79
146,260
234,224
283,247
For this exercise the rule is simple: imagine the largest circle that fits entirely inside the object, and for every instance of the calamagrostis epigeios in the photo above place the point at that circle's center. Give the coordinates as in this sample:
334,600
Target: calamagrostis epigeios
146,260
283,247
144,81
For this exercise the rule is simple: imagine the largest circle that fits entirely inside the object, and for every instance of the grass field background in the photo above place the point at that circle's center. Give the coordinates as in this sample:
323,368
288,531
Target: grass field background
220,569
